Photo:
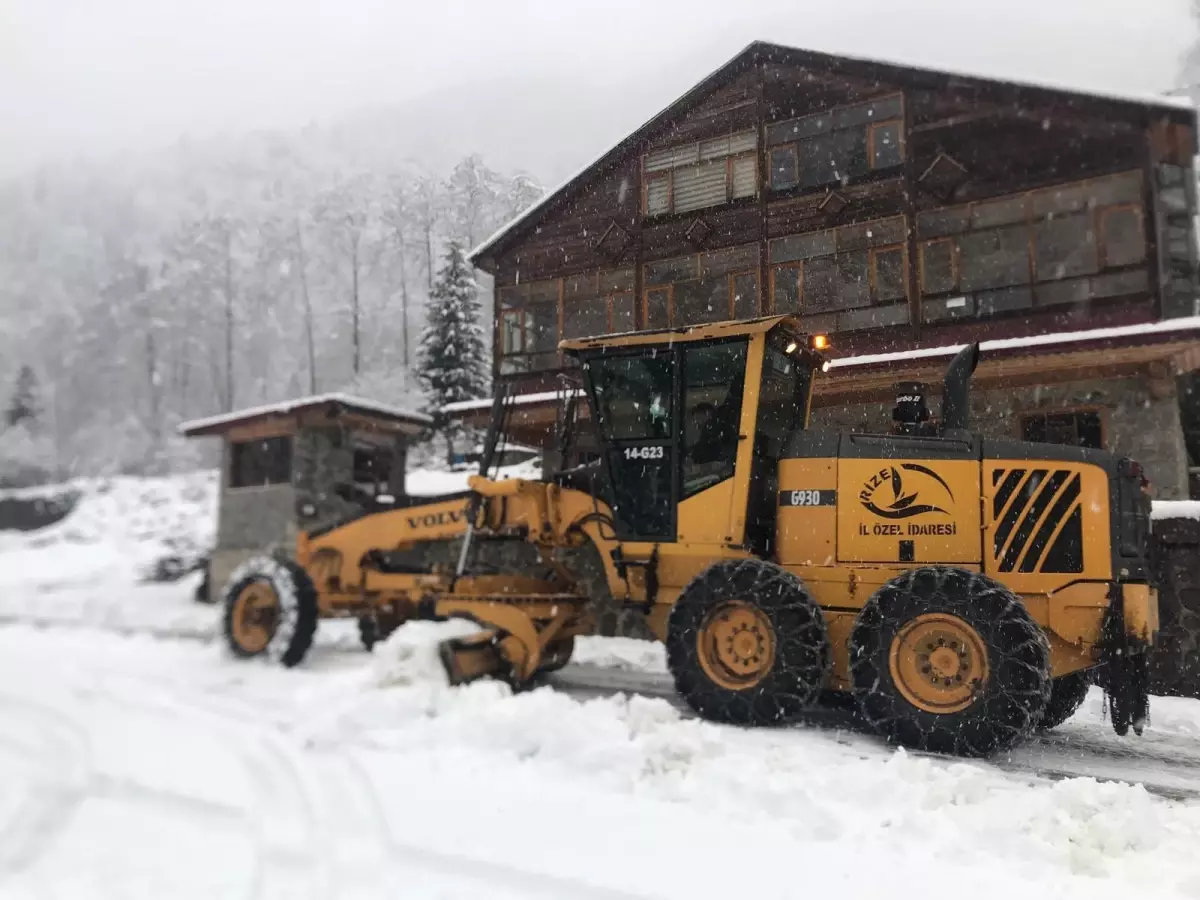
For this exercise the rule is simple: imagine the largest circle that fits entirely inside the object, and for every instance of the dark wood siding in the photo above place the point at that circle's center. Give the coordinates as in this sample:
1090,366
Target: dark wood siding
947,143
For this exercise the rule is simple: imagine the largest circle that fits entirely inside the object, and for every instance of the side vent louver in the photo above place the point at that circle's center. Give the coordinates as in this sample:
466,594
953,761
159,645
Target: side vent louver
1039,521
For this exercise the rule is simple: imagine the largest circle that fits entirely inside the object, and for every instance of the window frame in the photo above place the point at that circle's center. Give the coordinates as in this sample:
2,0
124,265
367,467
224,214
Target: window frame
231,473
1094,210
669,290
668,173
1102,214
1100,412
375,450
954,274
903,141
800,266
794,145
524,308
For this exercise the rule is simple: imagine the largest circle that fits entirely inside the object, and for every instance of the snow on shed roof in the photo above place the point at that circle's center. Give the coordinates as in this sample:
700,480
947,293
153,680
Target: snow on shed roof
1143,98
358,404
1166,326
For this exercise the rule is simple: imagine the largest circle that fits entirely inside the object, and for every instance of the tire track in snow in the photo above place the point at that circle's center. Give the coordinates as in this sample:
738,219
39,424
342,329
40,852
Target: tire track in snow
318,825
61,754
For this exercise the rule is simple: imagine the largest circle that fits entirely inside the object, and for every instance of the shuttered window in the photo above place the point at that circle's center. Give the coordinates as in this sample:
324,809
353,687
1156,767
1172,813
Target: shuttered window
700,175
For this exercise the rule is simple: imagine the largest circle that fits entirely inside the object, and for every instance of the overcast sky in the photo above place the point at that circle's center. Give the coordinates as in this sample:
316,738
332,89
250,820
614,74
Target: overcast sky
94,76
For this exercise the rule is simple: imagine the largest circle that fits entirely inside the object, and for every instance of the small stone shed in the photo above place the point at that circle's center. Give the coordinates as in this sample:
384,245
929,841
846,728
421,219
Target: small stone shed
301,465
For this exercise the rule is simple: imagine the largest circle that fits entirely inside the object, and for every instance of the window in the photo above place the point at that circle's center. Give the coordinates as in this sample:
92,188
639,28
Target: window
529,326
713,379
1065,247
886,148
938,270
1068,233
1122,241
888,276
837,145
260,462
1076,428
700,175
633,396
840,269
372,468
990,259
708,287
658,308
598,303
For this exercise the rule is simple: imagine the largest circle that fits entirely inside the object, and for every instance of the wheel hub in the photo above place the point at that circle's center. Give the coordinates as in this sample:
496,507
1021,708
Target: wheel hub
255,614
737,645
938,663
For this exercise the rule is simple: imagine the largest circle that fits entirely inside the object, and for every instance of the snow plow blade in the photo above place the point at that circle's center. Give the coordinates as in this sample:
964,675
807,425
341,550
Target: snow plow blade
523,634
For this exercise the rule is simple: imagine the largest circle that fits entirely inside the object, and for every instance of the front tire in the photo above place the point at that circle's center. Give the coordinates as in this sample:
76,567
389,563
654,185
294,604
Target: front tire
747,644
270,610
949,661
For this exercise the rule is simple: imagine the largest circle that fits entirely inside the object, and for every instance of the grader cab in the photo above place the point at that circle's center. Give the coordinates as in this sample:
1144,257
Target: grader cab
962,590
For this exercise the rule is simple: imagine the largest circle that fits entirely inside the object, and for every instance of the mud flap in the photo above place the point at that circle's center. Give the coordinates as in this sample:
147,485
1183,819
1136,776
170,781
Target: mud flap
1124,672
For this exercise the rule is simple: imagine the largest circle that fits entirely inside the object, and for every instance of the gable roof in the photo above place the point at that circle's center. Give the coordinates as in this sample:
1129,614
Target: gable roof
408,419
762,50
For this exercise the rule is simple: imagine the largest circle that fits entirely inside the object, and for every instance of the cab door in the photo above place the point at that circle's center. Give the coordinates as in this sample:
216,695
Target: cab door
633,397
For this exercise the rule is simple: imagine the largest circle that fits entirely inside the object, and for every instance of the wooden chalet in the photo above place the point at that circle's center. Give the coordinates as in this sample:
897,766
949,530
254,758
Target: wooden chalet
902,211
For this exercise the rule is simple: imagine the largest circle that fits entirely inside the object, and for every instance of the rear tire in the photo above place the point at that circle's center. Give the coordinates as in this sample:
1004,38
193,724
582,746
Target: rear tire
949,661
747,644
270,610
1067,694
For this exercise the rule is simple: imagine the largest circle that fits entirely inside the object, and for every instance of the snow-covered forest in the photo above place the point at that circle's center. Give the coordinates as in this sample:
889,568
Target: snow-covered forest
146,290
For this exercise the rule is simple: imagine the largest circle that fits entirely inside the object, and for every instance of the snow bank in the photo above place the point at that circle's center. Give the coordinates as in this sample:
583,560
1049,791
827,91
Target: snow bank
430,482
821,787
1175,509
88,568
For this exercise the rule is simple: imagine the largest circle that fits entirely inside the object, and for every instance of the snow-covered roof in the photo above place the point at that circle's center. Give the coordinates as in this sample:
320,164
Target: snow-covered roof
1166,326
358,404
1175,509
515,399
1145,98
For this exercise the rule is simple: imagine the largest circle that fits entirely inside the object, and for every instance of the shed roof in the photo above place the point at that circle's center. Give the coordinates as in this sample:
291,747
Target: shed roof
886,69
331,402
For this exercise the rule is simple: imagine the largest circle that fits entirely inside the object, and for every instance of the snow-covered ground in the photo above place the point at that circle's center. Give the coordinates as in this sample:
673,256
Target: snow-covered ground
138,760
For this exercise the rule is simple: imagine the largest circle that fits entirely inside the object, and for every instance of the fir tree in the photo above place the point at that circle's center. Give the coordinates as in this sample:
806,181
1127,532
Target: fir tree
24,405
452,359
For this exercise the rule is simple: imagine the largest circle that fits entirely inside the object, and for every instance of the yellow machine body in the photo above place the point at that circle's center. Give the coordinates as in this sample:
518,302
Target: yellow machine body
1060,527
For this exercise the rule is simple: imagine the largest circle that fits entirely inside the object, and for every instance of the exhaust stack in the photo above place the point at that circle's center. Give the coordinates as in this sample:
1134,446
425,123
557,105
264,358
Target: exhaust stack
956,389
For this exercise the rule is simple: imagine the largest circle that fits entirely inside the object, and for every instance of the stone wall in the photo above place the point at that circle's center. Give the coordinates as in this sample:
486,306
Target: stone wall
1175,552
256,517
322,459
1140,420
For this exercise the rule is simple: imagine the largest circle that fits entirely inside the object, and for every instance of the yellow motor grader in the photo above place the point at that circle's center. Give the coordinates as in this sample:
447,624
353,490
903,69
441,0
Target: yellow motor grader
963,590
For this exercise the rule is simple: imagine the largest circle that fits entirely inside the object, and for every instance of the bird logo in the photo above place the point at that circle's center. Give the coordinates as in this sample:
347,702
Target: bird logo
902,500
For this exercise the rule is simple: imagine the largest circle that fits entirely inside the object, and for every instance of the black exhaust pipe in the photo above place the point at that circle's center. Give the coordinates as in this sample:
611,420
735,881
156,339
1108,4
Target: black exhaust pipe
956,389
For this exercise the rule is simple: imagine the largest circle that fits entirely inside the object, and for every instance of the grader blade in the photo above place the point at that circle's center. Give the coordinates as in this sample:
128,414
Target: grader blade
519,630
466,659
